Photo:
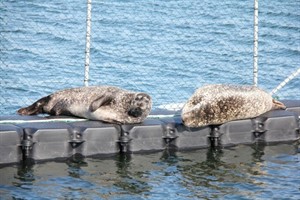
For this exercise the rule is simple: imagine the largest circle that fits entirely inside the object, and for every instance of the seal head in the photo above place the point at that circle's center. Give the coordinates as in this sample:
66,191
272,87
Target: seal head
139,103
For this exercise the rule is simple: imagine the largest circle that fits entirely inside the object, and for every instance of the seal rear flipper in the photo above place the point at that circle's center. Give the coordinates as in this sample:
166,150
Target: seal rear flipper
101,101
35,108
278,105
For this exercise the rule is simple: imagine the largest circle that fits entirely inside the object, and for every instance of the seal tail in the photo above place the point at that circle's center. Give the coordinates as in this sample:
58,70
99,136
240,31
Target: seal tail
278,105
35,108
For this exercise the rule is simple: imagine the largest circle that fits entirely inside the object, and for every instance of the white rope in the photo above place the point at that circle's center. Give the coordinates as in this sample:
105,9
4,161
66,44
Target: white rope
255,44
159,116
12,121
17,121
283,83
88,42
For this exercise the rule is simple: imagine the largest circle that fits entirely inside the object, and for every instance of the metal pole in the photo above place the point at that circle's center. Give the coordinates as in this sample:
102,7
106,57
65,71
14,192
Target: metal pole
88,42
255,46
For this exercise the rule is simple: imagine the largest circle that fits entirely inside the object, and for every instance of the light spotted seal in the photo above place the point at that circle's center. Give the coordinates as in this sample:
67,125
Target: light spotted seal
218,103
105,103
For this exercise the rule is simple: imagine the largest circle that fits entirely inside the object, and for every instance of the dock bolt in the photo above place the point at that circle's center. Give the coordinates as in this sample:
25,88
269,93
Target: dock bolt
124,141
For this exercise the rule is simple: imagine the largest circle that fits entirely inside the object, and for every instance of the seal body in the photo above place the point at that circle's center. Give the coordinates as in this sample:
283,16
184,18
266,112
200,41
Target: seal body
105,103
217,104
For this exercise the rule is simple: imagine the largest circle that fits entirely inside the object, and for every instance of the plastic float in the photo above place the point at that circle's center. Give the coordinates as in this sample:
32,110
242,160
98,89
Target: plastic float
40,138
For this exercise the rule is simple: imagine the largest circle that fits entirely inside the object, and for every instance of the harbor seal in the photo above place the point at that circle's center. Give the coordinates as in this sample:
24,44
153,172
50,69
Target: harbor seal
218,103
105,103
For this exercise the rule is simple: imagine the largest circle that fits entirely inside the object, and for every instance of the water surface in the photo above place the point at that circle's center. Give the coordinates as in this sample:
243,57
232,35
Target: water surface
241,172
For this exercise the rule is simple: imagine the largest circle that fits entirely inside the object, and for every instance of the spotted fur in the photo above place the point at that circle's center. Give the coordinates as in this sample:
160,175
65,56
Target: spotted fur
217,104
105,103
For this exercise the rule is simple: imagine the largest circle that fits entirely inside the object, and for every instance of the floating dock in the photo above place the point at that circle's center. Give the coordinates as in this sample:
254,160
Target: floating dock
43,138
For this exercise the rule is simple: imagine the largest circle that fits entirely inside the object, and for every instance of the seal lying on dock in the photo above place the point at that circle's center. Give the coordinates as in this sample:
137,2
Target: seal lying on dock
105,103
217,104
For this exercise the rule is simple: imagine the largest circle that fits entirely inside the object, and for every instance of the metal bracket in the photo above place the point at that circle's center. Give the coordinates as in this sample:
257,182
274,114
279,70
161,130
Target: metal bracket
215,136
76,139
170,134
26,145
258,128
124,141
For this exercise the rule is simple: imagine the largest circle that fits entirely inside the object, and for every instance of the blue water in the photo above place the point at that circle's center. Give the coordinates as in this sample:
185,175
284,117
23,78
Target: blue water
166,48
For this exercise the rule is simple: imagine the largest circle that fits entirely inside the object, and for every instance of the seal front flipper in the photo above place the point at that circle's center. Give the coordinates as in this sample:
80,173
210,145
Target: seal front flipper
101,101
35,108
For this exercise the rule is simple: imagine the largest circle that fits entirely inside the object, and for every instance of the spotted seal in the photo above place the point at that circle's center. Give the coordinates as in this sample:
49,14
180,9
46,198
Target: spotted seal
219,103
105,103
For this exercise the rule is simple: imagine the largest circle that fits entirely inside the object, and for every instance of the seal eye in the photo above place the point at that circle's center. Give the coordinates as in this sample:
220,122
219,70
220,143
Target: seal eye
135,112
139,98
142,97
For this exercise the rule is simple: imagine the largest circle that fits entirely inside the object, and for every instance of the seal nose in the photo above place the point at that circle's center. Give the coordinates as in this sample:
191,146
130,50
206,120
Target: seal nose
135,112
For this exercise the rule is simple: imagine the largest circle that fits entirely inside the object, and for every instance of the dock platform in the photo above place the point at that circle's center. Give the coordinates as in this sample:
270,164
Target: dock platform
48,137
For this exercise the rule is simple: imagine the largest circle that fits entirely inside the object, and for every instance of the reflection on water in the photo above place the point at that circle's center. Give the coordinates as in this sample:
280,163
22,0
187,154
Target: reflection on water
247,172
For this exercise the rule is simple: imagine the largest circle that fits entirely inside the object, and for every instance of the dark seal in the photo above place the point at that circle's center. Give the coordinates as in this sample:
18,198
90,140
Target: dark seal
105,103
217,104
